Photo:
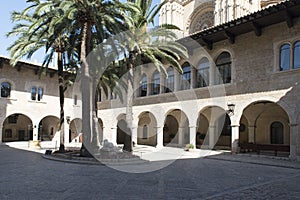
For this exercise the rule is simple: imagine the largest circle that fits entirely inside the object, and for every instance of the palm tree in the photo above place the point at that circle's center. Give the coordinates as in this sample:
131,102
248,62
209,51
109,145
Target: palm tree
157,46
97,19
33,29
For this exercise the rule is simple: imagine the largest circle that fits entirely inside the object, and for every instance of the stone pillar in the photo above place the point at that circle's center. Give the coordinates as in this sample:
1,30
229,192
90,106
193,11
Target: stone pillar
251,134
35,133
135,134
193,77
235,138
113,136
160,136
66,128
177,77
212,137
294,145
162,83
180,136
193,135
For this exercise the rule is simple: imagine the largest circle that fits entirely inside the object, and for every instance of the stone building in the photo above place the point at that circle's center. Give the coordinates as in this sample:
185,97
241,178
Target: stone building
29,105
239,85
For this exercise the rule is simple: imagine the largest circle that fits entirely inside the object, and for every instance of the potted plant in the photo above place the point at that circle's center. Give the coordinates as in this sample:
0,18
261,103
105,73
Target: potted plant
188,147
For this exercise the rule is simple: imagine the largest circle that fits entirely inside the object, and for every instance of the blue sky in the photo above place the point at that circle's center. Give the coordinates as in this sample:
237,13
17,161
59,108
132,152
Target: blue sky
6,25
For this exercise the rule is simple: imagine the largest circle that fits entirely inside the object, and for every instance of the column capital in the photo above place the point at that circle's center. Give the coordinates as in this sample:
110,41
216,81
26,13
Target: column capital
235,125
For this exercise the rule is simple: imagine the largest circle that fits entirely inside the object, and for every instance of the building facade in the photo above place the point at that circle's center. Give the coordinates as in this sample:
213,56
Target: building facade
29,105
239,85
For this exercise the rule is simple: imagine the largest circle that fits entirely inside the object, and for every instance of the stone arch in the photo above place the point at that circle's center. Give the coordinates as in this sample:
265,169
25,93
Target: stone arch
176,128
147,129
213,128
260,116
17,127
48,128
75,130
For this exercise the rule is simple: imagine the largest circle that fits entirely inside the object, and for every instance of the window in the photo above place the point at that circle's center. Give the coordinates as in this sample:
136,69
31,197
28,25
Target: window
289,57
5,89
276,133
143,90
186,76
297,55
170,80
8,133
203,73
40,94
33,93
285,54
223,64
37,93
156,83
145,132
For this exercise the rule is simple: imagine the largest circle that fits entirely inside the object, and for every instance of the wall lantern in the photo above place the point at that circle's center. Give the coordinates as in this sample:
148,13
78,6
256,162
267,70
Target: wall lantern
230,110
68,118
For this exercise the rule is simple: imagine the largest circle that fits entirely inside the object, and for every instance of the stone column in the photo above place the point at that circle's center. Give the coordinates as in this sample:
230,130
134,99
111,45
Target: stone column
193,77
294,143
160,136
251,134
211,135
235,138
35,133
162,83
180,136
66,132
193,135
135,134
177,76
113,136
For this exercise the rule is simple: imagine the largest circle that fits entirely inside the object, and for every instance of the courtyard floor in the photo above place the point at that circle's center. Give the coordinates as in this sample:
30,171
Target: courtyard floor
26,175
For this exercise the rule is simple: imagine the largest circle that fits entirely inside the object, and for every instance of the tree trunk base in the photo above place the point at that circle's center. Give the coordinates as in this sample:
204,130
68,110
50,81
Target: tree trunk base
61,148
84,152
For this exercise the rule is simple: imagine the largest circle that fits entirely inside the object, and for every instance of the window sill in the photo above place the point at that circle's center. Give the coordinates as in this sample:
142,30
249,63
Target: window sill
286,71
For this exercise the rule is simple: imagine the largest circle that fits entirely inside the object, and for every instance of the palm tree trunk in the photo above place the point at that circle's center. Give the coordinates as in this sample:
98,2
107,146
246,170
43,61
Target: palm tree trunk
61,101
128,146
86,90
95,123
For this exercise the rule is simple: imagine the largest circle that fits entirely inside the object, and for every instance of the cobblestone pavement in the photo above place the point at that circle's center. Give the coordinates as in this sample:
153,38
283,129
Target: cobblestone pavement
26,175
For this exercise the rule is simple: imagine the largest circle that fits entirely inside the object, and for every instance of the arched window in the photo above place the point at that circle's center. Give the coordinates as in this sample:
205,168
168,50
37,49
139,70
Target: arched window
170,80
203,73
276,133
5,89
145,132
186,76
285,55
297,55
156,83
40,94
223,65
143,88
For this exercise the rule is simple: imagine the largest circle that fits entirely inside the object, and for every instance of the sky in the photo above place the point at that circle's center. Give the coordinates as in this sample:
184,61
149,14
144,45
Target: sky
6,25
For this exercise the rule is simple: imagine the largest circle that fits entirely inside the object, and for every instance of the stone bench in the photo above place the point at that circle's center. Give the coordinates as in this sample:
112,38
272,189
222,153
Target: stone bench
264,147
